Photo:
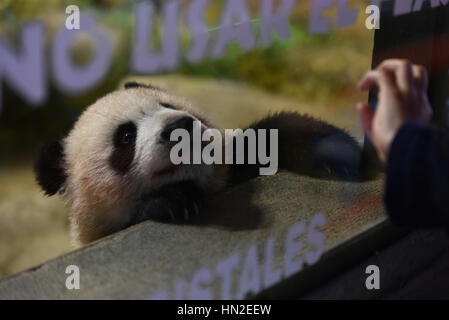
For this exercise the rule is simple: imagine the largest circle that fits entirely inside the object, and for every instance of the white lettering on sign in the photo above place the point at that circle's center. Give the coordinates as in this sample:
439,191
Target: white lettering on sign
24,68
244,275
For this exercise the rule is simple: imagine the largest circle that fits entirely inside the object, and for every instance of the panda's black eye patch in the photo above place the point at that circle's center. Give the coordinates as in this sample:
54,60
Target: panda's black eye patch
125,135
168,106
124,141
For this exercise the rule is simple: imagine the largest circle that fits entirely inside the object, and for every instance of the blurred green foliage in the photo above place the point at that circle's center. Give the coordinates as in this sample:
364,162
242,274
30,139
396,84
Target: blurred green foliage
312,68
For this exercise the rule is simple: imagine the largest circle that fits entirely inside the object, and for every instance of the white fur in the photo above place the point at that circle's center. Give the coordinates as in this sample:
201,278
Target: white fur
101,200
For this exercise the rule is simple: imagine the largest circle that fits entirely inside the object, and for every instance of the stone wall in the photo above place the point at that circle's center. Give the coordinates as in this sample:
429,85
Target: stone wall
247,240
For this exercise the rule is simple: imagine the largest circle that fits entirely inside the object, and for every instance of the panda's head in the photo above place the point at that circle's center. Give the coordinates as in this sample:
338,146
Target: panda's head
119,148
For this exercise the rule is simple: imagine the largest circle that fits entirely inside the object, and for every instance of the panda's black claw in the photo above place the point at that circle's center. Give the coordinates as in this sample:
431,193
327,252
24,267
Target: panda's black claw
196,210
173,203
172,216
186,215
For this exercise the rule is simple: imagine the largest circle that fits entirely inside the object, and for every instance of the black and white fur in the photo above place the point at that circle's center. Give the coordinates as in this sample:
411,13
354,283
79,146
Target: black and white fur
113,169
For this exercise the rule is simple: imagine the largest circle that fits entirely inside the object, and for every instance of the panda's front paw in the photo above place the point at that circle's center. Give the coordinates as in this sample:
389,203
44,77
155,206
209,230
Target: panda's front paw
177,202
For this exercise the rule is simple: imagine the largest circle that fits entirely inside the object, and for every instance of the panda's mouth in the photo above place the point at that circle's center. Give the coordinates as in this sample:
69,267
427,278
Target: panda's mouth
172,168
167,171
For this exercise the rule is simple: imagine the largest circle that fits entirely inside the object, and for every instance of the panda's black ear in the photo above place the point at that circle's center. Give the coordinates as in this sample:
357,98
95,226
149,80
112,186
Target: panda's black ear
133,84
49,168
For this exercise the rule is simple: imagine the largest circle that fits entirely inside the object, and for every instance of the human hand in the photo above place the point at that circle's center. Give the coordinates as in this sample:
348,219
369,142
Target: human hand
402,98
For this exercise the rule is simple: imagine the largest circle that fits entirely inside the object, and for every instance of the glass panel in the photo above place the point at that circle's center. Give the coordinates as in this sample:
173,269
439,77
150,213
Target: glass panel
238,61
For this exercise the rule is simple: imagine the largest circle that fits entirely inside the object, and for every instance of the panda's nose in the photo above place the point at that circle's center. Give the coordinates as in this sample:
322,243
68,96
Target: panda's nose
185,123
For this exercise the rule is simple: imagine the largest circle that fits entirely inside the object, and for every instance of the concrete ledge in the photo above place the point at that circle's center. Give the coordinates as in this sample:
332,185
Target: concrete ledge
239,245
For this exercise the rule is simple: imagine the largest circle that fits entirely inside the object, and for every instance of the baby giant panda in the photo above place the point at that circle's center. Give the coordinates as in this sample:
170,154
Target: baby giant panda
114,170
